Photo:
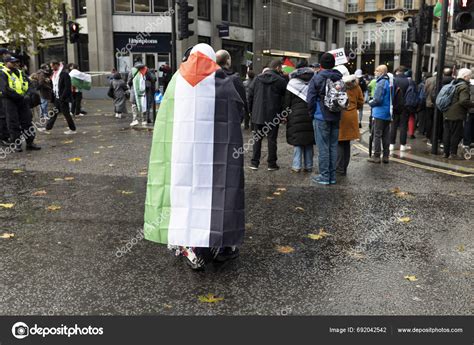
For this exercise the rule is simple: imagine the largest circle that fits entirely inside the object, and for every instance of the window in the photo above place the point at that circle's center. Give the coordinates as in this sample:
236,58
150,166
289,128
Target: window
141,6
81,8
237,12
389,4
408,4
352,6
335,31
204,9
370,5
204,39
160,5
318,31
123,6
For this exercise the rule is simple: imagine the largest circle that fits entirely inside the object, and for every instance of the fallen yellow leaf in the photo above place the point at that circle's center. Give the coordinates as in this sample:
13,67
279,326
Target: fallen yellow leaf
281,189
411,278
96,152
75,159
395,190
277,193
285,249
67,141
210,298
461,248
17,171
270,198
320,235
7,205
143,173
126,192
53,208
248,226
299,208
40,193
69,178
404,219
111,165
58,179
110,147
101,147
7,235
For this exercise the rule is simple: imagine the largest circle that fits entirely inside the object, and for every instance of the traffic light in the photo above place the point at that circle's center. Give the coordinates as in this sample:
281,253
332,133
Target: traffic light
74,32
427,25
183,19
463,15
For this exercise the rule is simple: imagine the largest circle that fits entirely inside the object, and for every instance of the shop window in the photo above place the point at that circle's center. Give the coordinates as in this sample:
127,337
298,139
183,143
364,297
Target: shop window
141,6
389,4
123,6
335,31
318,31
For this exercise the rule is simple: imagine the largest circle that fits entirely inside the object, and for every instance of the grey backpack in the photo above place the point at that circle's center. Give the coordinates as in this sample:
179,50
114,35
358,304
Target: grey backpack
445,97
335,98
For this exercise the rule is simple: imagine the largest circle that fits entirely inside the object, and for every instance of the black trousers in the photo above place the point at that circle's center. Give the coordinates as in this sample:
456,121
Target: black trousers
62,107
381,138
76,103
4,134
247,120
259,132
19,120
452,135
343,156
421,121
468,130
429,115
400,121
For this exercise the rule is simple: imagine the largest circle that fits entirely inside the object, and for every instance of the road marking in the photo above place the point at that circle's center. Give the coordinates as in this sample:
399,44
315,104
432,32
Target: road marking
416,165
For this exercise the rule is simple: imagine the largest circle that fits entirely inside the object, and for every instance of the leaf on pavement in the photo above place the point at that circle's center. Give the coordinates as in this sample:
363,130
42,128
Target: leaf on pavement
101,147
40,193
17,171
96,152
75,159
7,235
69,178
126,192
461,248
399,193
111,165
404,219
319,236
270,198
53,208
281,189
7,205
58,179
411,278
110,147
67,141
298,208
285,249
276,193
143,173
210,298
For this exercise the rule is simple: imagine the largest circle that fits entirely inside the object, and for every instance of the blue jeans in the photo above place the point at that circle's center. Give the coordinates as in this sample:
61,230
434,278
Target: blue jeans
327,139
307,152
44,107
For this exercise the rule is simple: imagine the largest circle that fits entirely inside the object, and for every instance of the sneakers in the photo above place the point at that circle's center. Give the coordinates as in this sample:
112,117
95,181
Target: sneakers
228,253
144,123
385,160
404,148
80,114
308,170
33,147
319,180
375,160
253,167
134,123
70,132
43,130
118,116
429,143
273,167
392,147
295,171
18,148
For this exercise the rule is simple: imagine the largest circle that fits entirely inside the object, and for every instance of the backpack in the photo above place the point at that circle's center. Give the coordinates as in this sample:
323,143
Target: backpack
445,97
335,98
411,96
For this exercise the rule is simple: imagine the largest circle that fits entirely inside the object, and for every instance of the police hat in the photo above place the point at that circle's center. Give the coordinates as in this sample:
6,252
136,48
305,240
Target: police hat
10,59
4,51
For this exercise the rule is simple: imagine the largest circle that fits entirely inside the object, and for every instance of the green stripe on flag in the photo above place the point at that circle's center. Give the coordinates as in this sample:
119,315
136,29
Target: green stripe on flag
438,9
158,202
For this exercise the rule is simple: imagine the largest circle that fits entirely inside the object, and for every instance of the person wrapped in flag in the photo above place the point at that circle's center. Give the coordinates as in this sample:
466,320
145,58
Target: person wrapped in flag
195,192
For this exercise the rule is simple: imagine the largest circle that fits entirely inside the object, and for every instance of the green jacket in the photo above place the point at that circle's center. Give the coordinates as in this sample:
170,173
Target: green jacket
371,87
461,102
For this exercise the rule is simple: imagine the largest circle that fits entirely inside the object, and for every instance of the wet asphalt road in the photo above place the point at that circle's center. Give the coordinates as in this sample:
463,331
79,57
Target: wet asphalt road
65,261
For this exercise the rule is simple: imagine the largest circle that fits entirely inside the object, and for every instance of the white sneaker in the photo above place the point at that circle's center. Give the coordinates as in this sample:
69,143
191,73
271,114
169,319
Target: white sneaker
405,148
392,147
118,116
44,130
144,123
69,132
134,123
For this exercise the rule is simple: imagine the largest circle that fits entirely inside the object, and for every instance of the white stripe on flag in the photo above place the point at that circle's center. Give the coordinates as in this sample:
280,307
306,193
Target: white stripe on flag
192,160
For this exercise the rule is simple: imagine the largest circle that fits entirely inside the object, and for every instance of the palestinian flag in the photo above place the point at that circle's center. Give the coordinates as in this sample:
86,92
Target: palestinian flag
288,66
438,9
80,80
195,191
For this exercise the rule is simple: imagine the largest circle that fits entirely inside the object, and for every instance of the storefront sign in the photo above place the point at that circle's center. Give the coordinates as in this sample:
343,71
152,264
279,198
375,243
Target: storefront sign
126,43
224,30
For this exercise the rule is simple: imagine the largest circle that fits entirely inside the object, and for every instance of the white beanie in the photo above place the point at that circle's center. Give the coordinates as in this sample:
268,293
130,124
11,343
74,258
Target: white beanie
464,72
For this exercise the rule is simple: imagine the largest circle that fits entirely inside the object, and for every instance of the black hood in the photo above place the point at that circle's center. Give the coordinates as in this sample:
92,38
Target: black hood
269,77
332,74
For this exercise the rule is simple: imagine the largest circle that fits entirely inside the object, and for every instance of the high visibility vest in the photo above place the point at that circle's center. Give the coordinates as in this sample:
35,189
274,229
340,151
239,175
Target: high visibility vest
16,83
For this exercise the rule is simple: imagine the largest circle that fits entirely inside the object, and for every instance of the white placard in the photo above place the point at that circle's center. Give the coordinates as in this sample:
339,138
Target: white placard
340,56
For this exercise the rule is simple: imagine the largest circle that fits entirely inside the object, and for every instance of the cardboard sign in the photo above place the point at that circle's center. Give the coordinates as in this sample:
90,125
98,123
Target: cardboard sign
340,56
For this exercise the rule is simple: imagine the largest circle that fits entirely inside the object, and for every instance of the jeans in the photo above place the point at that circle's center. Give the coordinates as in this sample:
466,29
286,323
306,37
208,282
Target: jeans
327,139
399,120
307,152
44,107
381,138
259,132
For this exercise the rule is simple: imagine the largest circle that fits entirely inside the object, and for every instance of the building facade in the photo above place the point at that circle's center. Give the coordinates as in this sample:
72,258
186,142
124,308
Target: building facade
117,33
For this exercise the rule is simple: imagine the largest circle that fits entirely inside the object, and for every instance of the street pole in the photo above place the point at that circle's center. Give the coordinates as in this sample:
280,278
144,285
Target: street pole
439,70
420,45
172,8
65,33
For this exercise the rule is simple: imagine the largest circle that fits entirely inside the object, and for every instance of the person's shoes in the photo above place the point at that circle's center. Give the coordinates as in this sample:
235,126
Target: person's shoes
404,148
144,123
273,167
70,132
441,146
446,155
360,124
429,143
385,160
43,130
456,158
296,171
71,113
84,112
308,170
18,148
392,147
375,160
228,253
341,173
253,167
81,114
317,179
333,182
134,123
33,147
412,137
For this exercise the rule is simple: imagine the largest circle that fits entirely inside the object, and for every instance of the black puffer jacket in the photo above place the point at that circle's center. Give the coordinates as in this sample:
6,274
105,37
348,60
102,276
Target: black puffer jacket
299,128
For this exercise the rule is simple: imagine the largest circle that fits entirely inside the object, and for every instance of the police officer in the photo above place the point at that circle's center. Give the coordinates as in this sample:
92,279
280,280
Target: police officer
4,135
13,86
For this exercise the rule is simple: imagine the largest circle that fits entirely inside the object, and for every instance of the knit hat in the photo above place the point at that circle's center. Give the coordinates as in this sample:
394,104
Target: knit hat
327,61
464,72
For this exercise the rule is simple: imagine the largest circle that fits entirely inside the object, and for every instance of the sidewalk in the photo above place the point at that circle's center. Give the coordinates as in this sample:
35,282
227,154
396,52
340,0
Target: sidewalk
420,152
